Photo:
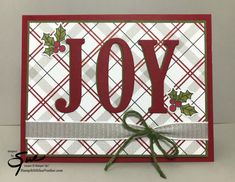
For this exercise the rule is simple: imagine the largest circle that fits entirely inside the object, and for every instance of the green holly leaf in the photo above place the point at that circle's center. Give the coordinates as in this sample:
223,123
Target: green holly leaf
188,110
173,94
49,41
184,96
60,33
49,51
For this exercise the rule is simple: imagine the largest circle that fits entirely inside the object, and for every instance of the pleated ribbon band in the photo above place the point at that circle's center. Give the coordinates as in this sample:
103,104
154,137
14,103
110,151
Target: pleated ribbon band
110,131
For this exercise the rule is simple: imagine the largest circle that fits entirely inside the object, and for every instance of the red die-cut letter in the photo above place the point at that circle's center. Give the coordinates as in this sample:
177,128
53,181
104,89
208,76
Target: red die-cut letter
157,74
75,78
127,75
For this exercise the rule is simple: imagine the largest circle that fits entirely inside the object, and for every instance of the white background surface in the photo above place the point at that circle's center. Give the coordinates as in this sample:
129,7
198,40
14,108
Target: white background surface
223,24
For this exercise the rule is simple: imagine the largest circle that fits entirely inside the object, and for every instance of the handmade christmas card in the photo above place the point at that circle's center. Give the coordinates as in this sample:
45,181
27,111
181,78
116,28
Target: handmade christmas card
125,88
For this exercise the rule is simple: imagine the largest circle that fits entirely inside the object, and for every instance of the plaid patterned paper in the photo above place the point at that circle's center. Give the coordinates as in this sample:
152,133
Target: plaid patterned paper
48,80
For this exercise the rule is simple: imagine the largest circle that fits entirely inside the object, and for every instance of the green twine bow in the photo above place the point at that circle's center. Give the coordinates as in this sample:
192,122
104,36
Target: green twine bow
154,137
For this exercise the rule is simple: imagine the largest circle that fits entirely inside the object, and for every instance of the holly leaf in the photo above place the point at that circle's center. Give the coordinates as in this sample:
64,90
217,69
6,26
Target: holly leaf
173,94
188,110
60,33
49,41
184,96
49,51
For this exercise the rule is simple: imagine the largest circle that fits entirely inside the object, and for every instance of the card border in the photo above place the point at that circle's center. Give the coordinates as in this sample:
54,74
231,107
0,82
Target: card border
121,17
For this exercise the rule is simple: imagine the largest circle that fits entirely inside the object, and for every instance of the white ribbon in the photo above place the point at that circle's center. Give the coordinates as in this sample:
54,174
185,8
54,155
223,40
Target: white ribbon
110,131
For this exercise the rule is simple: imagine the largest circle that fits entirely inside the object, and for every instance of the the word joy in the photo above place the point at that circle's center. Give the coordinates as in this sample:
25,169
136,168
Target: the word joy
156,73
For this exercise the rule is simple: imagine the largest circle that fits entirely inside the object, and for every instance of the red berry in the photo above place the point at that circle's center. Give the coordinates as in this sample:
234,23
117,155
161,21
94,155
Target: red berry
56,50
62,48
172,108
178,104
172,101
57,44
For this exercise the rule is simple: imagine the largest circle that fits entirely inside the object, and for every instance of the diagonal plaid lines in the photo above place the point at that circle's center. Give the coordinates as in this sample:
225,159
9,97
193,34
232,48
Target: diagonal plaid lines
43,101
189,74
37,50
88,147
56,147
48,87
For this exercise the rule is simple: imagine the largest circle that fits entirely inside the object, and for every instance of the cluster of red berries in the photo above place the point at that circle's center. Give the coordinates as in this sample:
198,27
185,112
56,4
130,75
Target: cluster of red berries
58,47
174,105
